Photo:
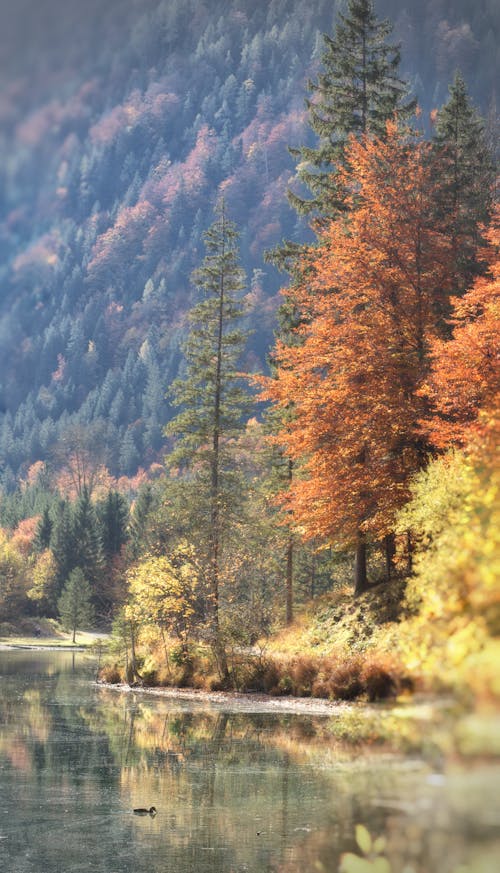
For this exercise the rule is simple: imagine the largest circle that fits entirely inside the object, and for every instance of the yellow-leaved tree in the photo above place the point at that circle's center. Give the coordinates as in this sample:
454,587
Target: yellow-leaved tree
163,591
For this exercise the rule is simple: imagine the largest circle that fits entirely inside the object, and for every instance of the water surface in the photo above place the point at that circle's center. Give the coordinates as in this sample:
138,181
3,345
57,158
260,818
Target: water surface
235,792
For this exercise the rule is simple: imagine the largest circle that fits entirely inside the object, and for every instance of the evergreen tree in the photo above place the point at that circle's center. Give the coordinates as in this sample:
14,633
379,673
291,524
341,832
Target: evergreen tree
212,395
74,604
112,515
43,531
63,543
465,195
139,521
88,547
357,91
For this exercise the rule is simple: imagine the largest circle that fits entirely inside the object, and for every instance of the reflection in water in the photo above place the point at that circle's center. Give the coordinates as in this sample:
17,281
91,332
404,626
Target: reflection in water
234,791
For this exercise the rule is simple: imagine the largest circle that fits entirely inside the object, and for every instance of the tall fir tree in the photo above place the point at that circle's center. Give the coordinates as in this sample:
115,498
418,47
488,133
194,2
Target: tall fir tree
466,177
43,531
112,515
212,395
88,546
357,91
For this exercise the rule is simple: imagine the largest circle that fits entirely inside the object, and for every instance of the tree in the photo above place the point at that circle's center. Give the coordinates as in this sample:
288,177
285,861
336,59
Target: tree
164,591
43,531
355,375
465,378
63,543
87,542
212,395
74,604
357,91
466,176
112,516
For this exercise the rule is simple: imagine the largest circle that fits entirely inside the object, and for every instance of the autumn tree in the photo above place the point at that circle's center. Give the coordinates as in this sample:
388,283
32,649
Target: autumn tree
164,590
363,353
213,398
357,90
465,378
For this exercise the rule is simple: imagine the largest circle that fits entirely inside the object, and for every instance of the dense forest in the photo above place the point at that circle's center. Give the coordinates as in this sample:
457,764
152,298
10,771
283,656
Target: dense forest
249,333
115,146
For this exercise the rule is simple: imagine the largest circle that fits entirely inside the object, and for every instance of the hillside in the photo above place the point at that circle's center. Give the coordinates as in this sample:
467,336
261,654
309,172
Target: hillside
120,127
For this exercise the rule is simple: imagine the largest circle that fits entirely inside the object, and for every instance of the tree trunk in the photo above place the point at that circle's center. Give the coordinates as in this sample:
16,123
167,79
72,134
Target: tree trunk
289,581
390,551
409,552
360,577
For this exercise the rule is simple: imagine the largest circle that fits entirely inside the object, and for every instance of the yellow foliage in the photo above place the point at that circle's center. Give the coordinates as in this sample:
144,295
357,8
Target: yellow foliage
454,518
163,591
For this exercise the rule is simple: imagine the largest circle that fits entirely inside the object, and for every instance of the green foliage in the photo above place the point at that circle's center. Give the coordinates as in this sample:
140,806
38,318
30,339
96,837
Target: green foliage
74,604
357,91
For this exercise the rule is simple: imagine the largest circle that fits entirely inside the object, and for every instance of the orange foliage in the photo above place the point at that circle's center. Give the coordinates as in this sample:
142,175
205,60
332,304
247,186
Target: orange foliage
24,534
465,379
370,302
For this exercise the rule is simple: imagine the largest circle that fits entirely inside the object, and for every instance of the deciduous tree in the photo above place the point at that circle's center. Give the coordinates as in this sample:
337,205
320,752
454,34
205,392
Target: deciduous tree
364,351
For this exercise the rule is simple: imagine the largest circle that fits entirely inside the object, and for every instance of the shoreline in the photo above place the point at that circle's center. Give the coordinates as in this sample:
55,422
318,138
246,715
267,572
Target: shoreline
7,647
241,701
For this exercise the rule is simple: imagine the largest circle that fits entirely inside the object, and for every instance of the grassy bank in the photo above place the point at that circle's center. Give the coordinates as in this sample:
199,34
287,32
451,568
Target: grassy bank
46,633
372,647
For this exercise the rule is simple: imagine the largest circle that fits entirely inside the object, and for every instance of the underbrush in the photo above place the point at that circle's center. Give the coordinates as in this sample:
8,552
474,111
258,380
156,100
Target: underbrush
374,677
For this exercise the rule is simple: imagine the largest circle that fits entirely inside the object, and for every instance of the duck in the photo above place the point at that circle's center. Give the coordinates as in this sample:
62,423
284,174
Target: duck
141,810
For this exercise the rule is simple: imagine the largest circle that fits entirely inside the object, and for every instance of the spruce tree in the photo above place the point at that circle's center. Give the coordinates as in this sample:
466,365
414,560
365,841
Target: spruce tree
467,173
357,91
112,516
212,395
63,543
43,531
87,542
74,604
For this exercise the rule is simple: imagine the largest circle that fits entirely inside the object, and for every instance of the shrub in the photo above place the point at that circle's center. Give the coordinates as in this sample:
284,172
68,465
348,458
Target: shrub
344,679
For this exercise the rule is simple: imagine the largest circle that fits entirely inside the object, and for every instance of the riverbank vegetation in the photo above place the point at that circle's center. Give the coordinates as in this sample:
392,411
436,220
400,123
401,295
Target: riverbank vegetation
330,528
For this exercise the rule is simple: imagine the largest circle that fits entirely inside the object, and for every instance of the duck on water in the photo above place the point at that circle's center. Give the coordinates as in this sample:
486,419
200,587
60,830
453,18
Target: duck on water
141,810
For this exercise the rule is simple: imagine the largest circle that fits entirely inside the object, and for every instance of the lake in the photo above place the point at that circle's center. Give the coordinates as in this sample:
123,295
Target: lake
235,792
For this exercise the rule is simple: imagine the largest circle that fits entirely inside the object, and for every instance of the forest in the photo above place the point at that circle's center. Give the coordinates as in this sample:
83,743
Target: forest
250,342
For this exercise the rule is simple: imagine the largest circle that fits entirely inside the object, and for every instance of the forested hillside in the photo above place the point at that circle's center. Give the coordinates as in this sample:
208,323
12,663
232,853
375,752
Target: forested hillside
121,124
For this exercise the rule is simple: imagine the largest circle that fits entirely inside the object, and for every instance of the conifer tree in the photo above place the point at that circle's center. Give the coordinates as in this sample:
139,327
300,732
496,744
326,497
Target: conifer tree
87,542
43,531
357,91
466,176
63,543
74,604
112,514
212,395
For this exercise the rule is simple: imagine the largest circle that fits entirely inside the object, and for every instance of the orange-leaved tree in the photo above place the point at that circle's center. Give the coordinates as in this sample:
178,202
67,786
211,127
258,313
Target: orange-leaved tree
373,296
465,381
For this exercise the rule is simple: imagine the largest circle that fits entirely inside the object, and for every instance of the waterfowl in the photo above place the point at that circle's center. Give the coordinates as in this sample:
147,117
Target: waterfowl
141,810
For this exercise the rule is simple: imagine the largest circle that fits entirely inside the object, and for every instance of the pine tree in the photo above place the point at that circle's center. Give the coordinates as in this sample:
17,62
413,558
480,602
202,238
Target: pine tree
87,543
112,515
63,543
43,531
466,177
212,395
74,604
139,521
357,91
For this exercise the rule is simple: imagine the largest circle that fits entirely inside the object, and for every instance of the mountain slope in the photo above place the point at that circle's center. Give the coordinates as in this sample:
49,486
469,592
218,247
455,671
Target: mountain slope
120,127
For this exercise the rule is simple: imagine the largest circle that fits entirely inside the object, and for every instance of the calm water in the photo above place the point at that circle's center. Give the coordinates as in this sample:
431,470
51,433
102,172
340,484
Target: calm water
253,792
